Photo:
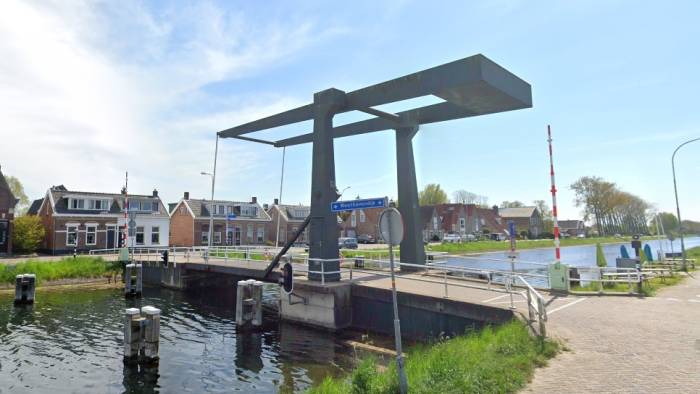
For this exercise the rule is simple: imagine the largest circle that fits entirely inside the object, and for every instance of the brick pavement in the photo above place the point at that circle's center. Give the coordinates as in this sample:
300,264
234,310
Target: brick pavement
626,345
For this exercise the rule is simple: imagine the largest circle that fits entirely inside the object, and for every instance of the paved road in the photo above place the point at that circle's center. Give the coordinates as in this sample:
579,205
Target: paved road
627,345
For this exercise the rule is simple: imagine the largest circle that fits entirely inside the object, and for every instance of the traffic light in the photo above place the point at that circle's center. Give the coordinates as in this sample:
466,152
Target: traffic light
287,279
164,258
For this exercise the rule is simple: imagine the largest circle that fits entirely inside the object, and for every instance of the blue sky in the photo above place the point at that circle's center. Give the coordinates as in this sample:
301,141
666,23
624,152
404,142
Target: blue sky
92,89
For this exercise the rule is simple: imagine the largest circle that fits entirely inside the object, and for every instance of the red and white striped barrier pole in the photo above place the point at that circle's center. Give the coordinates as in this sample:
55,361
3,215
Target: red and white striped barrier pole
554,200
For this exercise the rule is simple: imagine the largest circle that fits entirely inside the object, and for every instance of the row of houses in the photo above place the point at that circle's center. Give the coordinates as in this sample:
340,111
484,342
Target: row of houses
82,221
79,220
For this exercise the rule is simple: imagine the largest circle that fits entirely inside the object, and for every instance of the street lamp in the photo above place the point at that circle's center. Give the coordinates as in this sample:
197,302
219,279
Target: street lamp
675,190
343,191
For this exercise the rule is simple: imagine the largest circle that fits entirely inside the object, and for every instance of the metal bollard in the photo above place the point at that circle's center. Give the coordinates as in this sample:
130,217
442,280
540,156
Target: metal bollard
25,287
151,335
139,279
132,333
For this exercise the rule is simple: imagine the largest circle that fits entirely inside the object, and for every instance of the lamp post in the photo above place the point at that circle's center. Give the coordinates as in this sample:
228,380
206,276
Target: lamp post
675,190
211,203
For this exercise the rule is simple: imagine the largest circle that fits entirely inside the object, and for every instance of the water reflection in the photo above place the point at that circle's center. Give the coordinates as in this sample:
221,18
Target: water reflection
71,341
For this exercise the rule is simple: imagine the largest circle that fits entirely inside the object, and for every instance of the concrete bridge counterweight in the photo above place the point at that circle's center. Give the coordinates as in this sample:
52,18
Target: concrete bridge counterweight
470,87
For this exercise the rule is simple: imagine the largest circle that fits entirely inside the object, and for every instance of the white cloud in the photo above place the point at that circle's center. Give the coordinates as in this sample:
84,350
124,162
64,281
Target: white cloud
90,90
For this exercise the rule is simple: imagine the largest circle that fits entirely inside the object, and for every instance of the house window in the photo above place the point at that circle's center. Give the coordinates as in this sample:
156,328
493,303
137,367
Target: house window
134,205
362,217
261,234
155,206
353,220
250,232
462,224
217,237
230,209
435,223
182,209
72,236
77,204
155,235
205,236
90,235
221,210
139,235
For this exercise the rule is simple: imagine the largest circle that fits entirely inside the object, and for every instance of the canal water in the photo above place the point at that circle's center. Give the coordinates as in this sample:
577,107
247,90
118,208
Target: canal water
534,261
71,341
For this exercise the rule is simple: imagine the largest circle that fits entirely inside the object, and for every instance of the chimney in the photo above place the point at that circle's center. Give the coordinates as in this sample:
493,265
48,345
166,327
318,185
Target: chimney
155,192
253,200
266,207
495,209
186,196
277,201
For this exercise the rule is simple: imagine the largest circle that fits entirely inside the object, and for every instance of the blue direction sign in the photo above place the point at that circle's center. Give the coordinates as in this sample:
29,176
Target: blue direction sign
231,216
340,206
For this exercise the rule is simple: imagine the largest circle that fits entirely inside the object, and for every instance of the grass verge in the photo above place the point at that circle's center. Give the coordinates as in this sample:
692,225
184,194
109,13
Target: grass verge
79,267
493,360
649,287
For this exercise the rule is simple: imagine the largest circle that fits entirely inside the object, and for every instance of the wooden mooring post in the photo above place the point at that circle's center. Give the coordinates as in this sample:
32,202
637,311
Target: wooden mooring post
133,280
25,287
141,334
249,303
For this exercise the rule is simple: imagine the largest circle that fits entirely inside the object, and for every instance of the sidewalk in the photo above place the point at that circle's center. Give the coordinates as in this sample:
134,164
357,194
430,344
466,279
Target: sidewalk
626,344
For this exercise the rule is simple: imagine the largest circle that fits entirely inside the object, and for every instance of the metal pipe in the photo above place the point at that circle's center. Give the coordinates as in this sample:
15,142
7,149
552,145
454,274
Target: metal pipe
279,201
678,208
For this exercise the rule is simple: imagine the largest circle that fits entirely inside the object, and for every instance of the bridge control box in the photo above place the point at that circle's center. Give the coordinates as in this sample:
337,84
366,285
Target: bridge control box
559,277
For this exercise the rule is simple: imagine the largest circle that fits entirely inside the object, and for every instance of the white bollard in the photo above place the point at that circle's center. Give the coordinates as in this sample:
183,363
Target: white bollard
25,287
151,335
240,296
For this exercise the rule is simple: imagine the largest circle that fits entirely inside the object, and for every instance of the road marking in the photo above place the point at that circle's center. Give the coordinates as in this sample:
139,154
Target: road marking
508,302
693,300
672,299
566,306
495,298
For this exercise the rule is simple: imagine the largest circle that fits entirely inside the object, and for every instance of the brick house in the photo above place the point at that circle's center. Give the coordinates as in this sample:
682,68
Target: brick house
189,222
486,221
573,228
361,222
453,218
291,218
7,215
432,230
526,219
82,221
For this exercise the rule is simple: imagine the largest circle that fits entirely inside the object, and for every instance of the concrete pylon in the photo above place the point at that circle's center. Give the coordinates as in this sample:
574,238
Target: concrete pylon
412,249
323,227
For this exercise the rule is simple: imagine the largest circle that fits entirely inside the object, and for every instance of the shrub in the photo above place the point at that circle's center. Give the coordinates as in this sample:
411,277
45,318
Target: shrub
600,256
27,234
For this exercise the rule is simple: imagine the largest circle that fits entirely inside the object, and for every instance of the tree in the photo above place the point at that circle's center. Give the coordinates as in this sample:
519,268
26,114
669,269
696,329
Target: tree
612,210
465,197
432,194
512,204
668,221
27,234
18,191
547,218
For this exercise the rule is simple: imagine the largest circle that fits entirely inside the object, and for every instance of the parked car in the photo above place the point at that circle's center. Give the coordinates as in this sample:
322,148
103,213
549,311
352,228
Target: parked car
470,237
347,243
366,239
451,238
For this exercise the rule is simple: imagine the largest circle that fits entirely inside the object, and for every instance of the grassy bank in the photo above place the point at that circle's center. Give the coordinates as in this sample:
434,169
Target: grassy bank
493,246
80,267
649,287
493,360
